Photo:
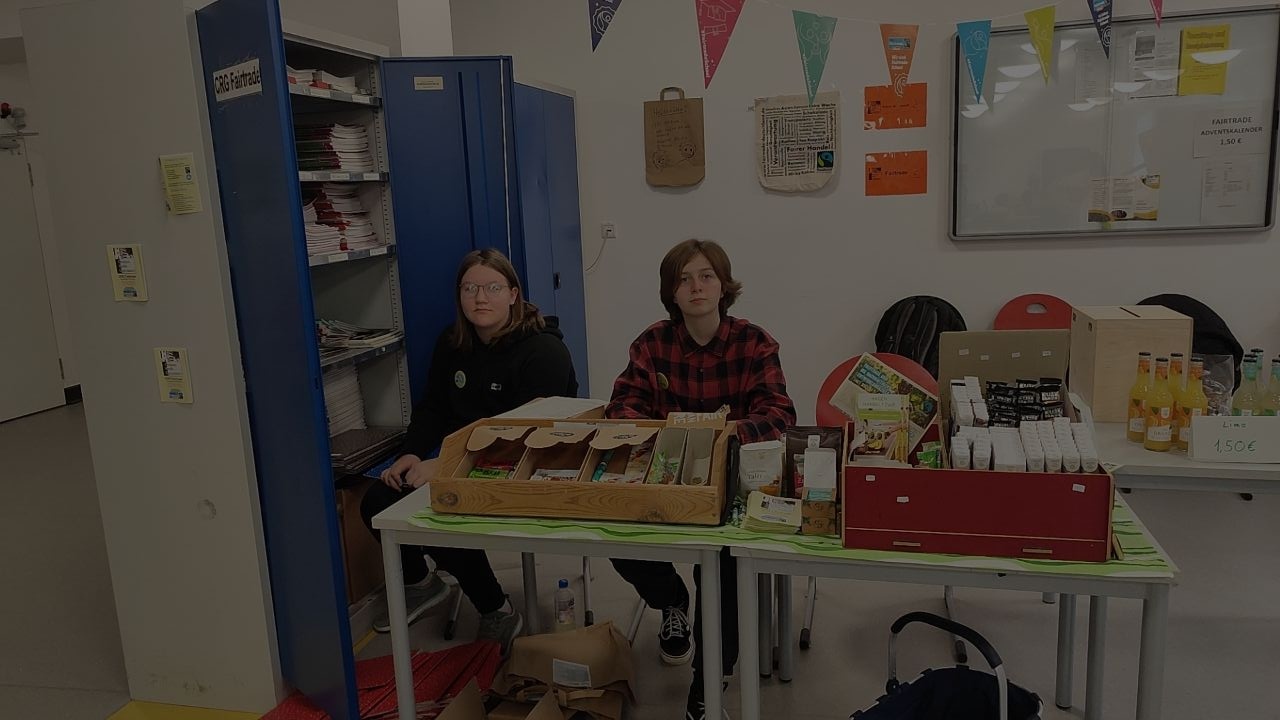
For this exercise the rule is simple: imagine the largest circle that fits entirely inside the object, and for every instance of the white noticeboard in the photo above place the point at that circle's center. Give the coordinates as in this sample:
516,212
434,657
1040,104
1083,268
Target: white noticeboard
1236,439
1162,136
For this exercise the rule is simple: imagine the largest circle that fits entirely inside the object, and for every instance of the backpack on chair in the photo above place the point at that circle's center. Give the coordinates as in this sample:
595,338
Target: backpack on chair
912,325
1209,332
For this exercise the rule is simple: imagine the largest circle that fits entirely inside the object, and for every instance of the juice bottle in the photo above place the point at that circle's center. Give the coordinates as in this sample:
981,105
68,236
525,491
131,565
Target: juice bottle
1247,397
1271,402
1137,428
1194,402
1176,381
1160,411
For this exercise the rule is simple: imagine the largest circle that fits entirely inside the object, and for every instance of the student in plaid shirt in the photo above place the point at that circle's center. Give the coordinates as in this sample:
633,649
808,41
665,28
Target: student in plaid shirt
698,361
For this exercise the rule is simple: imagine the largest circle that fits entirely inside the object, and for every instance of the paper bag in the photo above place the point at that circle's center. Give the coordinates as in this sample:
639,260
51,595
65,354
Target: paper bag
587,670
673,147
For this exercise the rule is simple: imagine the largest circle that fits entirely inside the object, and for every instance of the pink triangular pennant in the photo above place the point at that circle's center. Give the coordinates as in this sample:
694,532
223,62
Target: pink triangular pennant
716,20
1157,6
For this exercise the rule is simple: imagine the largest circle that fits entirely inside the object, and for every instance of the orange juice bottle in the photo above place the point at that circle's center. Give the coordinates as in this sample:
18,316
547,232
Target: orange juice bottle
1194,402
1175,386
1137,428
1160,411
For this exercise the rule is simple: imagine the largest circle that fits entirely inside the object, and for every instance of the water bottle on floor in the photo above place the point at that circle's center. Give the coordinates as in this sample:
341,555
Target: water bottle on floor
566,618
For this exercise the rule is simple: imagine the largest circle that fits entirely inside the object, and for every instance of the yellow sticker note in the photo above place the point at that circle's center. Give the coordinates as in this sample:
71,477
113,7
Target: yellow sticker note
1203,64
174,375
181,190
128,281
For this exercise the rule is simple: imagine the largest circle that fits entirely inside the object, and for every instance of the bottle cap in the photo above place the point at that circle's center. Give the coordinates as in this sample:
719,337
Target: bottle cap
564,583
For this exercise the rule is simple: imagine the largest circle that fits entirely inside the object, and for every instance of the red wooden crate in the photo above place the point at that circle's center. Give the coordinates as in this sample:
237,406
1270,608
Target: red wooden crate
1059,516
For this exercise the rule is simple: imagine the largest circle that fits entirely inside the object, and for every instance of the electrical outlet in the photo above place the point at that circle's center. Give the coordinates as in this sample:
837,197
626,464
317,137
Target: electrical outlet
608,231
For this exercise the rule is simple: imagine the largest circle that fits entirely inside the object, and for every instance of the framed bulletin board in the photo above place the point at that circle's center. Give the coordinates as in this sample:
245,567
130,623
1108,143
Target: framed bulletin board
1175,132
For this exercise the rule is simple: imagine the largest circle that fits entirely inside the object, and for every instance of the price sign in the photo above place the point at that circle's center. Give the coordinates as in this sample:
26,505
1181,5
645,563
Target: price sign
1236,439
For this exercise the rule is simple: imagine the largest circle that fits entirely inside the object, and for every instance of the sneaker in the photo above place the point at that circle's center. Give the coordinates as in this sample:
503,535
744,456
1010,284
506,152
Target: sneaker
696,706
418,599
501,625
674,636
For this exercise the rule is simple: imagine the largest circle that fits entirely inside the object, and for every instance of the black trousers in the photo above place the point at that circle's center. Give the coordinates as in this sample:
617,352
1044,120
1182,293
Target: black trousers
469,567
661,587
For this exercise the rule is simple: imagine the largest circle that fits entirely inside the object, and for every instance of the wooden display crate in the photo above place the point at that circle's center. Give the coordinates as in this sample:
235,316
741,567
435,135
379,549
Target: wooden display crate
519,496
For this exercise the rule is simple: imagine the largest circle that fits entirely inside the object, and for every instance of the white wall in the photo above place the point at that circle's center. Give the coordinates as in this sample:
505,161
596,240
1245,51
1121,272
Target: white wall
425,28
176,483
15,89
819,269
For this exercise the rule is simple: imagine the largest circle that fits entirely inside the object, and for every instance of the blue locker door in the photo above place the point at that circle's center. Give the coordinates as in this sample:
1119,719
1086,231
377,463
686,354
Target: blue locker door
261,208
547,139
451,141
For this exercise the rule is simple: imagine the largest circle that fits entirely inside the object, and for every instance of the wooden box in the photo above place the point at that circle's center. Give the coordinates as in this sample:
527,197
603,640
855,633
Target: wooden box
1105,342
577,499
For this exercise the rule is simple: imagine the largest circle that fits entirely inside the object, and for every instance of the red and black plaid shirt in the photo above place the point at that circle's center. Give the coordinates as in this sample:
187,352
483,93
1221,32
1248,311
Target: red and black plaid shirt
739,367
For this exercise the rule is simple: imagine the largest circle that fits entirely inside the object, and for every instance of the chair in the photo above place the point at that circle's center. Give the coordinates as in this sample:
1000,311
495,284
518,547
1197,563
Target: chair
1035,311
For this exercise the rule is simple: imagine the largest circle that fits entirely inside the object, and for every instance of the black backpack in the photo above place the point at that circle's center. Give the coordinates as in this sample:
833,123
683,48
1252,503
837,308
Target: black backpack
1210,334
912,325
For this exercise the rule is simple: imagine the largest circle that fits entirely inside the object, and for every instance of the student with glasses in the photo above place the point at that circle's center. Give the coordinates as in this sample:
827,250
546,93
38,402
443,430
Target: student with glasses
499,354
699,360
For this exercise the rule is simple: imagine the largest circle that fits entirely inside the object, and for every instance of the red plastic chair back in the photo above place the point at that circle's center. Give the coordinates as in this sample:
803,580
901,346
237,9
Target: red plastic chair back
1034,312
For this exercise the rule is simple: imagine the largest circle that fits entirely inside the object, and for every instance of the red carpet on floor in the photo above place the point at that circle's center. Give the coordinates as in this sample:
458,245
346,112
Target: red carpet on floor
437,677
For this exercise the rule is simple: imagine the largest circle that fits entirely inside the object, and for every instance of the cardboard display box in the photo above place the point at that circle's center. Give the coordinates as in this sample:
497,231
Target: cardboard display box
1105,342
1061,516
577,448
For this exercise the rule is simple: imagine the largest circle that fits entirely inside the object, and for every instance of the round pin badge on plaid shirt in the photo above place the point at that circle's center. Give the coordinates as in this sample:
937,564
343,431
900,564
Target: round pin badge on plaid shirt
663,382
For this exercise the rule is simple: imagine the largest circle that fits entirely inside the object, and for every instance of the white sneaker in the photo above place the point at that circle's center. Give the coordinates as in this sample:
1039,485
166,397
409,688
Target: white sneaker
418,599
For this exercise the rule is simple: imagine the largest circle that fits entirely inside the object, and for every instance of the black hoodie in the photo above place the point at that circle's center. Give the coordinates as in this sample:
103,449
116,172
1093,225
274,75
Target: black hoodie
467,385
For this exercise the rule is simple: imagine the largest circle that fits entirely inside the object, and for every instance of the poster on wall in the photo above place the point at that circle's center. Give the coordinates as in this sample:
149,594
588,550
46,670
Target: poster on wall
1203,60
1232,130
884,108
673,140
897,173
1125,198
1227,193
174,375
128,282
799,143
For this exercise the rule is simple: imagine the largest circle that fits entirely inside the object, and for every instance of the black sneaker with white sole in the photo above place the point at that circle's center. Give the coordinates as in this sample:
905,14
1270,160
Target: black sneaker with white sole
674,636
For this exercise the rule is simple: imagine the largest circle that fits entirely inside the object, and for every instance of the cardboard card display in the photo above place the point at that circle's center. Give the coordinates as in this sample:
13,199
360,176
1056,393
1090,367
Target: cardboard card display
558,452
620,454
697,456
668,456
492,446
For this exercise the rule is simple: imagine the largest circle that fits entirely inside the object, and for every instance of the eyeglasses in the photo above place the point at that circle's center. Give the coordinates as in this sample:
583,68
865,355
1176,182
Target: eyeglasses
490,290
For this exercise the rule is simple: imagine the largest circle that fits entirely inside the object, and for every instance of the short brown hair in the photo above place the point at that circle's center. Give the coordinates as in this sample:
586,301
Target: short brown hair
683,254
524,315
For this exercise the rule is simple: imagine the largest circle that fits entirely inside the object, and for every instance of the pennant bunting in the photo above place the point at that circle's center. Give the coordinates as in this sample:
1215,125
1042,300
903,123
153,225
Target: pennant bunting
716,20
813,34
1040,25
899,50
1101,12
601,15
1157,7
975,38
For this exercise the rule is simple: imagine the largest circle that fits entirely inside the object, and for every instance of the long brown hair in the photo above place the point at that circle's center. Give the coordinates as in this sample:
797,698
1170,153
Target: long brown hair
683,254
525,316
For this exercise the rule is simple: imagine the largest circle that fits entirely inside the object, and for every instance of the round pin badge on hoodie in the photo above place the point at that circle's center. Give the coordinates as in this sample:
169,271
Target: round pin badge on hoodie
663,382
460,379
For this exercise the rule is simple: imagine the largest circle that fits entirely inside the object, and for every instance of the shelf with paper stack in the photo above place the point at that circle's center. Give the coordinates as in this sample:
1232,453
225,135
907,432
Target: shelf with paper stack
343,223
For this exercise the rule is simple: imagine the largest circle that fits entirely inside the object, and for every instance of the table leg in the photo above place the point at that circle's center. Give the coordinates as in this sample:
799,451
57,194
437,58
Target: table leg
1096,667
749,614
530,569
712,651
786,630
400,652
764,620
1155,616
1066,650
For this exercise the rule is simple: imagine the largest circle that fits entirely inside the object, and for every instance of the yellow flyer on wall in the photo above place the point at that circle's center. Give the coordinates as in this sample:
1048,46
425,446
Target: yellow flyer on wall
174,375
1203,61
128,281
181,190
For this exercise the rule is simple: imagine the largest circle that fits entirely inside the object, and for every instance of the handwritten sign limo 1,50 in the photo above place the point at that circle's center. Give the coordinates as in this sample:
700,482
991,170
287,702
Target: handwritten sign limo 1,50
1228,438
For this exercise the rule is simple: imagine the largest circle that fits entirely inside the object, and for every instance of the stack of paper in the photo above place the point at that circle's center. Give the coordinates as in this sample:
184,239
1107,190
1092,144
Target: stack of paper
342,401
335,333
333,147
299,77
770,514
321,239
338,207
328,81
